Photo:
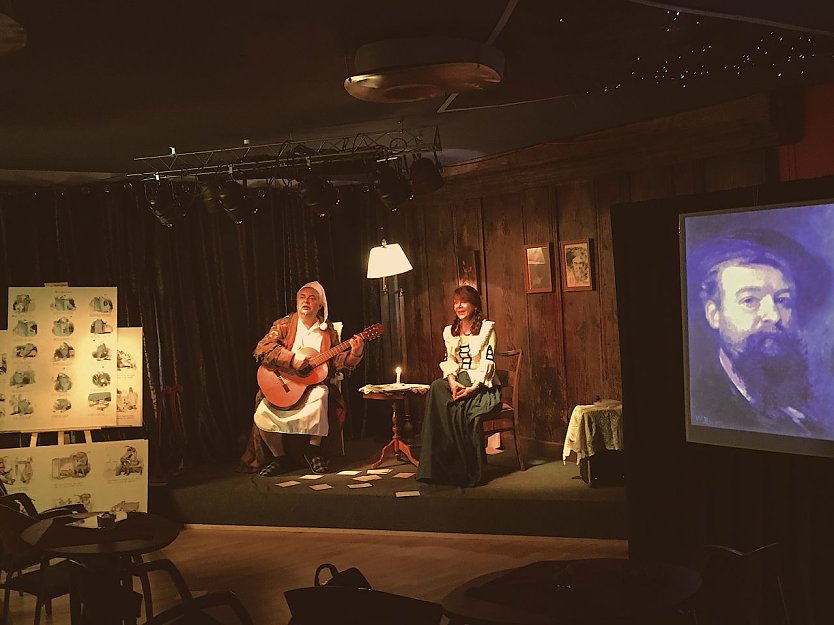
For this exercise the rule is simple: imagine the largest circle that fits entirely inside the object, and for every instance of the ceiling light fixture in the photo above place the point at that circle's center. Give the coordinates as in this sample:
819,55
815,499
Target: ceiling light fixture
319,194
414,69
391,186
165,203
232,197
425,175
210,194
12,35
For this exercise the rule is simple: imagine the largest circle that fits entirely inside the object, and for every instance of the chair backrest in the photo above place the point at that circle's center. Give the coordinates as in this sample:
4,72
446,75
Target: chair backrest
12,524
736,584
508,371
193,611
328,605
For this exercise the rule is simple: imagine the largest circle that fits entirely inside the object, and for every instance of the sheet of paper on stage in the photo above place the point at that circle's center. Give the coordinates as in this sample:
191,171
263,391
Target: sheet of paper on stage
407,493
320,486
349,472
367,478
311,476
290,483
378,471
360,485
403,475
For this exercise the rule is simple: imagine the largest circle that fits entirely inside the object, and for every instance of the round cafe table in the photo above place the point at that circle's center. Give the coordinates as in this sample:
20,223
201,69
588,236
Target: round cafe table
105,553
575,592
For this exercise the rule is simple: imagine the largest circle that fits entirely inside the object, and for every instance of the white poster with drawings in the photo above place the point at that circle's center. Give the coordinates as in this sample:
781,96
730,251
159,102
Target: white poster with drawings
62,358
129,377
102,476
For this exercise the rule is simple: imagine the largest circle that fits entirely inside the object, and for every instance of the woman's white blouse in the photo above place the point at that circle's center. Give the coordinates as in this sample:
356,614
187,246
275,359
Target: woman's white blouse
473,354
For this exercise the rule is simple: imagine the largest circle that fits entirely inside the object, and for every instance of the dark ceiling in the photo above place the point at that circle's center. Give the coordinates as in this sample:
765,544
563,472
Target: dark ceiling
102,82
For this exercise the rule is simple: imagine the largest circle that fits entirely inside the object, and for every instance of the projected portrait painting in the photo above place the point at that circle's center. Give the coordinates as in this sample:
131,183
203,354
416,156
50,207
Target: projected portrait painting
759,316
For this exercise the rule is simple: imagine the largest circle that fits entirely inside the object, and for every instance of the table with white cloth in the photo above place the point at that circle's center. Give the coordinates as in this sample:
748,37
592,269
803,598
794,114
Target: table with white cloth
594,428
394,393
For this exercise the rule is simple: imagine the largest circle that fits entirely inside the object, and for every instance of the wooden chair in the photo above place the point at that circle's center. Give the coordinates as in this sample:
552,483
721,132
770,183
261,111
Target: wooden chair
46,582
331,605
736,584
190,610
505,417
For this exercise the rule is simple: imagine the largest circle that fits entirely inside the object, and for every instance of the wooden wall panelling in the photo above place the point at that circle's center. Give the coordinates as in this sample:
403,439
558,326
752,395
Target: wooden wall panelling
503,240
688,178
545,358
421,336
440,275
469,235
581,309
609,190
737,170
749,123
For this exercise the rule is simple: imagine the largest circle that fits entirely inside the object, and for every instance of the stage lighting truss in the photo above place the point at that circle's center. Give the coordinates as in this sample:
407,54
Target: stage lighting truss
286,159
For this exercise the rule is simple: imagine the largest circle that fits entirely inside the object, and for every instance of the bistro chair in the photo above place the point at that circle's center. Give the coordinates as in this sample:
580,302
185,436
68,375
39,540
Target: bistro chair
505,416
47,581
190,610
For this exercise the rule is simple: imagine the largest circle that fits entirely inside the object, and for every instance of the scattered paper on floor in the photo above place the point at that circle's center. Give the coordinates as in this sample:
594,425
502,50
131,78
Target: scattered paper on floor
360,485
290,483
349,472
311,476
407,493
378,471
320,486
367,478
404,475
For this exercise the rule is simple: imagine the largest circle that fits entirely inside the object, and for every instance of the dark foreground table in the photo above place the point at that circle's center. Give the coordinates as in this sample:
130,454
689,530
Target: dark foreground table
559,592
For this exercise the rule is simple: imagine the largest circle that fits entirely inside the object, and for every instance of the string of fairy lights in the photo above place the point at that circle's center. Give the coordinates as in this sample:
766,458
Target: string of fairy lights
773,55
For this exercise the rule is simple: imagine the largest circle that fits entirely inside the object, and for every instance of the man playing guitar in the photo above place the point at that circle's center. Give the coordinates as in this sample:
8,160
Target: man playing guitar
278,351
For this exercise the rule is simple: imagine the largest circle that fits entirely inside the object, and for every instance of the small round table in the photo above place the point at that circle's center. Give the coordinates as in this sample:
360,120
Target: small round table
561,592
394,393
107,552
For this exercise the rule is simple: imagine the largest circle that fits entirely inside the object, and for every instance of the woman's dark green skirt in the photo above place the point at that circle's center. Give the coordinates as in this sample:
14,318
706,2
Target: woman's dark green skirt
453,446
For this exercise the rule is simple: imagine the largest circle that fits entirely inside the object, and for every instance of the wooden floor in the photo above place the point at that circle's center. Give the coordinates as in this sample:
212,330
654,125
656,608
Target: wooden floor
259,564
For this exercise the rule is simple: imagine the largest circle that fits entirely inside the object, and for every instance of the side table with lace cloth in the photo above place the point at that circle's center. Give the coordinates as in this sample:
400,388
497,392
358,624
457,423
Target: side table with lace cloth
393,393
593,428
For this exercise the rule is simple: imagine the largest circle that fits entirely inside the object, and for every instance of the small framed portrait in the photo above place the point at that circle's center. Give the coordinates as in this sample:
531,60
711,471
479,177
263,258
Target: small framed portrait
467,268
538,270
576,264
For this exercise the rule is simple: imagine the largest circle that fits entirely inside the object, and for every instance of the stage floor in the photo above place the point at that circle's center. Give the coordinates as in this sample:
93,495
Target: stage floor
548,499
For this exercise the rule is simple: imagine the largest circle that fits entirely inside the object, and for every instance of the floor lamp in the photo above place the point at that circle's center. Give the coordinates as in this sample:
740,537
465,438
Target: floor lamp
385,261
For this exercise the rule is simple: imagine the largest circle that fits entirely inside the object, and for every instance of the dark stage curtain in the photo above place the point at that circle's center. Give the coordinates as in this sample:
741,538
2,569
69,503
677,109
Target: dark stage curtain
204,291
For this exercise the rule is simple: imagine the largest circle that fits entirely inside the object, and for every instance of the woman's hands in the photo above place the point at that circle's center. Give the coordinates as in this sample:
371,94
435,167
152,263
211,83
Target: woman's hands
459,391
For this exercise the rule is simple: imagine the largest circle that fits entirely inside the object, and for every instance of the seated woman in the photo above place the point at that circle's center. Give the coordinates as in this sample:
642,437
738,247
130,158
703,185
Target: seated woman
453,447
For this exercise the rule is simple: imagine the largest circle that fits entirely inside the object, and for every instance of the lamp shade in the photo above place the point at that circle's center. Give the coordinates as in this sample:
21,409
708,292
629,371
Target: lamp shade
387,260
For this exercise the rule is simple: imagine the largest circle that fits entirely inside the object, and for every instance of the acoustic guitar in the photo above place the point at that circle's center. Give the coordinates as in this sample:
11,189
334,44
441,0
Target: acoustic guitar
284,388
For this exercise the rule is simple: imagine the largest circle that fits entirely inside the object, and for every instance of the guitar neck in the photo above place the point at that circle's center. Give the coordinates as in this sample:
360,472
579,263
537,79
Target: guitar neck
333,351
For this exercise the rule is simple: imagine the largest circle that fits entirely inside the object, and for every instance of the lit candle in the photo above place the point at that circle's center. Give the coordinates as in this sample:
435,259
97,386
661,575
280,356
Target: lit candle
399,371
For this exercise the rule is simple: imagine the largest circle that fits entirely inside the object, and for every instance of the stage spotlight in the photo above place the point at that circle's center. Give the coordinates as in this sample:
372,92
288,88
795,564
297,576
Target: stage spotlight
210,194
319,194
165,204
392,187
233,200
425,176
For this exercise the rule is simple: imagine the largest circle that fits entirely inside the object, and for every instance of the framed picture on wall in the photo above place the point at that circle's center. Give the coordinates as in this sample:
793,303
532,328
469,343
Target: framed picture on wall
575,259
467,268
538,271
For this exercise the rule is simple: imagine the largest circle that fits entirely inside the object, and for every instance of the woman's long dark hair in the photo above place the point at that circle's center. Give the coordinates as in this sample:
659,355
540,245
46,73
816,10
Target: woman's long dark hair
471,295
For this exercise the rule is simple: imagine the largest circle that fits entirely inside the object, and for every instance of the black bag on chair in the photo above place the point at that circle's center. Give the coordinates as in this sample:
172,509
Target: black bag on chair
350,578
